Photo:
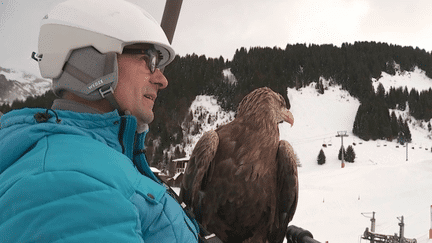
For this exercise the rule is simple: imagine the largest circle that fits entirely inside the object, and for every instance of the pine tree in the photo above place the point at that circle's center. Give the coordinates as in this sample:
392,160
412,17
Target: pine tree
406,132
340,153
319,87
401,136
177,152
380,91
394,125
172,166
321,158
350,154
372,120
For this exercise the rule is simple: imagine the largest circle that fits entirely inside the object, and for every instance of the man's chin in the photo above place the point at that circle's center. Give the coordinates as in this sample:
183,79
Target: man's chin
145,118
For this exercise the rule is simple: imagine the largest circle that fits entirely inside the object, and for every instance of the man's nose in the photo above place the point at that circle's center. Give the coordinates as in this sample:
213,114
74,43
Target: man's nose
159,79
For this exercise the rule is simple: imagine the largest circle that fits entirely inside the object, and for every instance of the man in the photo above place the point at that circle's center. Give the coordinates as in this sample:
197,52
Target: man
77,172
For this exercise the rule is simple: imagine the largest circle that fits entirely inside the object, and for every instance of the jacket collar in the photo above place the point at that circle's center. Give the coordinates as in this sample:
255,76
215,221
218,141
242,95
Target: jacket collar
70,105
20,130
131,136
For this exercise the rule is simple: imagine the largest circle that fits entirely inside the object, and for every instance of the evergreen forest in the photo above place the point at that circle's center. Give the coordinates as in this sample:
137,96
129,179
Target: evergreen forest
351,65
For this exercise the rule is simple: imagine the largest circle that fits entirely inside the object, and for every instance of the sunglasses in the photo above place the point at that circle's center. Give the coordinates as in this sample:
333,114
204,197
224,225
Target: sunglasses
152,54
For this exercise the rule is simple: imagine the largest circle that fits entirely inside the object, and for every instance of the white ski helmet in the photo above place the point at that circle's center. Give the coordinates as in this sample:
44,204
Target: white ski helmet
84,36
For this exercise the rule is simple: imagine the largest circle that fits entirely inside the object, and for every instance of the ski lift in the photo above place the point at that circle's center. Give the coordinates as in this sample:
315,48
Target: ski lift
397,146
330,144
385,144
354,142
324,144
378,144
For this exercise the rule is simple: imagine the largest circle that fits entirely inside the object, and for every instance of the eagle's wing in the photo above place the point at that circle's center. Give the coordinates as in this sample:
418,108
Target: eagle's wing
287,188
199,169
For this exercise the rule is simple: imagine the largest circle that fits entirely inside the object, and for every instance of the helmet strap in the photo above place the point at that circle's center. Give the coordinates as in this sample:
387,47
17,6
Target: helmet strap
108,94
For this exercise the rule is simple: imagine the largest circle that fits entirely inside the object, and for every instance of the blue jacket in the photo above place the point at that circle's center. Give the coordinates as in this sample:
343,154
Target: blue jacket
74,178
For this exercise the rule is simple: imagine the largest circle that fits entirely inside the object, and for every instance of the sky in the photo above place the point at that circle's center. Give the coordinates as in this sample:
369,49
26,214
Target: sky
217,28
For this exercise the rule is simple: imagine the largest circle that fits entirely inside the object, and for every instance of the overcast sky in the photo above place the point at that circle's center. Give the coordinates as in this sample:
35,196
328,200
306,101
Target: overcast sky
218,27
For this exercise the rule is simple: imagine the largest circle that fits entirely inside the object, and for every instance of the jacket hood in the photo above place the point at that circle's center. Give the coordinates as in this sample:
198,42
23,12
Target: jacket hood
21,129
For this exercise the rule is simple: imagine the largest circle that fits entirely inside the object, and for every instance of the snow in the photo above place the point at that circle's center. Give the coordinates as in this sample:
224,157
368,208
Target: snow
332,199
333,111
381,180
411,79
23,85
175,178
229,76
206,107
155,170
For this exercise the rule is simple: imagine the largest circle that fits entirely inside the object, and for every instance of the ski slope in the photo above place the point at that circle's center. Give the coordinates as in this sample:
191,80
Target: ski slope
381,180
415,79
332,199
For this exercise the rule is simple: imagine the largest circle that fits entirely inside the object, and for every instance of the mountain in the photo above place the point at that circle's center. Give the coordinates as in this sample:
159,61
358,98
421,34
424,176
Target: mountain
381,179
18,85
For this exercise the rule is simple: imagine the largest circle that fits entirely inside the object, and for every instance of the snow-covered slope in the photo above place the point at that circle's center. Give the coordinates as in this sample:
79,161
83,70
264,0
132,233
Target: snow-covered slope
332,199
207,115
416,79
17,85
381,180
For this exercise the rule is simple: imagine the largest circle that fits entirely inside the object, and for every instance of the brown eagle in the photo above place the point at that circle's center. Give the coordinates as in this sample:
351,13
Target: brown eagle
241,181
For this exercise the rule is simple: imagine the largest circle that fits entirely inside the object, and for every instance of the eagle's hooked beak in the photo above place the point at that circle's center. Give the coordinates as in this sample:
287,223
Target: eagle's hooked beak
288,116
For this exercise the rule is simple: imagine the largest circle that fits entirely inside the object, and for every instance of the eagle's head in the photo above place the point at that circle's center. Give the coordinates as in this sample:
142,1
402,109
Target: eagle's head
263,104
